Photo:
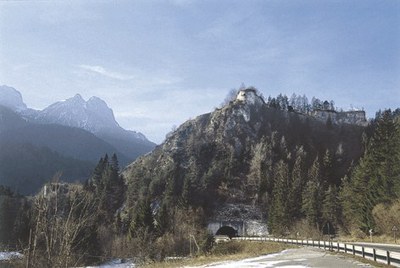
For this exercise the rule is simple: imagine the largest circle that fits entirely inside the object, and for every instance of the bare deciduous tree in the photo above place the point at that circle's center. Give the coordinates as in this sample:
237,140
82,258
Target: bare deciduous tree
62,214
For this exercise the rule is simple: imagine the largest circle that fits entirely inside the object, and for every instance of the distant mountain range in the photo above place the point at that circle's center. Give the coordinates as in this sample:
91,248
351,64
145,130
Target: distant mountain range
74,129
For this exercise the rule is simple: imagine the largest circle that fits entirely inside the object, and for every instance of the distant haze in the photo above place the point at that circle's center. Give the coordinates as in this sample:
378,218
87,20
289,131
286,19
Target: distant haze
159,63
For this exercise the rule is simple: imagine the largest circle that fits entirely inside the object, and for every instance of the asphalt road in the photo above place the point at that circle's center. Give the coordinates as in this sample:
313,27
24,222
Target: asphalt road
389,247
293,258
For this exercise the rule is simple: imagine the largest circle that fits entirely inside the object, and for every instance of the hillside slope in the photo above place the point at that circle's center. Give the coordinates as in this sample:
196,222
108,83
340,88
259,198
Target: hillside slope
234,155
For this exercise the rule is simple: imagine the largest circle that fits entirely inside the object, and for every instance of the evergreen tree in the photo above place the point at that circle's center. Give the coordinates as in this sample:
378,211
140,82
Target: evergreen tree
108,185
259,165
312,198
162,220
331,209
186,192
114,163
346,200
95,182
295,195
263,169
116,185
143,217
279,217
327,168
384,157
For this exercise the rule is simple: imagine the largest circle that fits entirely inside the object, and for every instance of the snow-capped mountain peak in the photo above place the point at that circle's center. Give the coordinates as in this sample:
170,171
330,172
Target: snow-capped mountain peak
96,117
93,115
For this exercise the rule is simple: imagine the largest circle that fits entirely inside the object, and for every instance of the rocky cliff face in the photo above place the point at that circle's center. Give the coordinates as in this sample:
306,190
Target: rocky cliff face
93,115
350,117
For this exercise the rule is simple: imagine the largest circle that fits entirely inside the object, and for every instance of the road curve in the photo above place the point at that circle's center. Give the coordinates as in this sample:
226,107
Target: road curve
389,247
293,258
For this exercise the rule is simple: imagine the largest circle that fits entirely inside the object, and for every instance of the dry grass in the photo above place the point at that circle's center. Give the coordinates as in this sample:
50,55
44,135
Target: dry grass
232,250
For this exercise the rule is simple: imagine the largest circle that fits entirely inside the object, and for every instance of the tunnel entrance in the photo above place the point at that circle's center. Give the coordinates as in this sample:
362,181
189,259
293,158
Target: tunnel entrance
227,230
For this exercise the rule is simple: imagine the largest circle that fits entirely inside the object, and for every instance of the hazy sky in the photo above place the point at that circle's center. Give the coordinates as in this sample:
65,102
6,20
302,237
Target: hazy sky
159,63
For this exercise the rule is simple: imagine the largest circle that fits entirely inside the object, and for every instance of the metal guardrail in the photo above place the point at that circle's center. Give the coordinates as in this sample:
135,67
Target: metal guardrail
377,255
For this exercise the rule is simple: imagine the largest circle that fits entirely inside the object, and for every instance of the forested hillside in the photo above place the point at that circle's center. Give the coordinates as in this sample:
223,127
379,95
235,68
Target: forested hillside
31,154
371,191
25,168
287,163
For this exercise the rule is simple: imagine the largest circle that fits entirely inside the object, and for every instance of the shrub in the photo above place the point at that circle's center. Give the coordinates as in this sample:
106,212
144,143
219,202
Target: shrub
386,216
227,248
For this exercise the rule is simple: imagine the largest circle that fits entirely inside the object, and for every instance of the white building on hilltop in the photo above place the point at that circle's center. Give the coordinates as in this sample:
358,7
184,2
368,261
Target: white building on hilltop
249,96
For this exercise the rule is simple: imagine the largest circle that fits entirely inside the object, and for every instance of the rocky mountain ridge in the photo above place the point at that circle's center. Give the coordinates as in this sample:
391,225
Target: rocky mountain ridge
11,98
93,116
233,155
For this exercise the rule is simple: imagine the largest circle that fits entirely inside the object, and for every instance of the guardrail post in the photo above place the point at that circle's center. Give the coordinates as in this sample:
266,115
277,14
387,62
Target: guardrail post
319,244
374,253
388,257
363,252
324,245
338,247
345,248
354,251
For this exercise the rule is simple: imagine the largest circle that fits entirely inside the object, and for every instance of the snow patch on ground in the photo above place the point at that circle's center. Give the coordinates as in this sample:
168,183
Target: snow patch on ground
6,256
291,258
117,263
265,261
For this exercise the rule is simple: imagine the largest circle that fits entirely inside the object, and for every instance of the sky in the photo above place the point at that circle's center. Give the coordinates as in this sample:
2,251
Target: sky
159,63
